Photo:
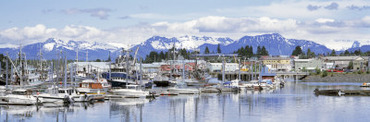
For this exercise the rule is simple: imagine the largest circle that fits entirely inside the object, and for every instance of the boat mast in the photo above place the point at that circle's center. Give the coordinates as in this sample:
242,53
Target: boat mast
141,71
127,67
239,71
22,66
183,70
7,71
65,71
223,71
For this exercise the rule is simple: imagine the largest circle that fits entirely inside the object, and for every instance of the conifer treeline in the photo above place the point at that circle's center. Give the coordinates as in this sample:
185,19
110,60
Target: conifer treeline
159,56
247,51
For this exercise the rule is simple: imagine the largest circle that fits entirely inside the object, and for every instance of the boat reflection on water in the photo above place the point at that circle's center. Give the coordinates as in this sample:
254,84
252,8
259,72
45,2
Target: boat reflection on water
128,109
59,111
295,102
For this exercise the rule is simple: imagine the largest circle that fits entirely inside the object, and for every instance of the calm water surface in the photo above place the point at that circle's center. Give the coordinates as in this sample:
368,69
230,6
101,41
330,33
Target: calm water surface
295,102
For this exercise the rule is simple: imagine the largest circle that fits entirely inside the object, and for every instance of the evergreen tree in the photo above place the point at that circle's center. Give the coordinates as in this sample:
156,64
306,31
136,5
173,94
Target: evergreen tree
218,48
297,51
206,51
346,53
310,54
264,51
350,65
258,50
333,53
250,52
109,57
162,56
358,52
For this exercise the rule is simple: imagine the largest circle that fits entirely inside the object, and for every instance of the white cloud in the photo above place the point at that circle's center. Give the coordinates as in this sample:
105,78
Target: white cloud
321,30
102,13
324,20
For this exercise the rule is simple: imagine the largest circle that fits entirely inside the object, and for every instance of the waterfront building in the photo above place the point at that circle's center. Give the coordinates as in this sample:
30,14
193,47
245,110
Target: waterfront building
91,66
277,63
342,62
308,64
217,67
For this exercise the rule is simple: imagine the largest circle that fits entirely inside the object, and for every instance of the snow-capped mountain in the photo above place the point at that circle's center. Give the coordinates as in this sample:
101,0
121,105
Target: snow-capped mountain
52,48
158,43
274,43
356,46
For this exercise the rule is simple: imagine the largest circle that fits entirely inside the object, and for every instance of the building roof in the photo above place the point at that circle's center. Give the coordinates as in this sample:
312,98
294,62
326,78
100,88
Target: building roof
100,65
342,58
274,58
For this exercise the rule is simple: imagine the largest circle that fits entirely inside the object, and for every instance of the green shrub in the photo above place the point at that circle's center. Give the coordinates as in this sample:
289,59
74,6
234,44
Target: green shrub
324,74
318,71
359,72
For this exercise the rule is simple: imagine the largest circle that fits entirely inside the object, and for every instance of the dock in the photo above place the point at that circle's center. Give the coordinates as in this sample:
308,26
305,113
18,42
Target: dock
340,92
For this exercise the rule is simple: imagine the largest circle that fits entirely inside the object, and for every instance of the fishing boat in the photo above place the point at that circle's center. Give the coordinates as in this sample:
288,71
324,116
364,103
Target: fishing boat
119,72
163,81
20,97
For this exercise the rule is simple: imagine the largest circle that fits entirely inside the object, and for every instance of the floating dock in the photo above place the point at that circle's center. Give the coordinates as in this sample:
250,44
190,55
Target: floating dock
340,92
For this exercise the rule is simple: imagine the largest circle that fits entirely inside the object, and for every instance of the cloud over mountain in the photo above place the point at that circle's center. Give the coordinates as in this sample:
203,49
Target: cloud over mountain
319,30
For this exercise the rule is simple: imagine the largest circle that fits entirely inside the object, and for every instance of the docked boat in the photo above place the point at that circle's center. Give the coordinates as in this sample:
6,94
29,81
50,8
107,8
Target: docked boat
20,97
365,85
132,91
57,95
232,84
183,90
120,72
190,82
90,86
257,85
163,81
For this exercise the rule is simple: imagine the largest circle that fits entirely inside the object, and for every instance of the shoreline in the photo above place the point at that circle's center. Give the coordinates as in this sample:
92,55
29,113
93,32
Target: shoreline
338,77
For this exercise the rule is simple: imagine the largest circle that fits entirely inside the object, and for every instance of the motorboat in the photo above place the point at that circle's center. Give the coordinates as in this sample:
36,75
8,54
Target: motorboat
90,86
232,83
257,85
365,84
179,90
163,81
20,97
132,91
57,95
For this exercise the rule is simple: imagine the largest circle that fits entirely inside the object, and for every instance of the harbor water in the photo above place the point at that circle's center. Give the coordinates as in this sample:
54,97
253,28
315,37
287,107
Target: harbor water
295,102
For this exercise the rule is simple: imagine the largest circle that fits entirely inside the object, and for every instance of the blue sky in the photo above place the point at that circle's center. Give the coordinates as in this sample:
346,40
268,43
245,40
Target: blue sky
122,23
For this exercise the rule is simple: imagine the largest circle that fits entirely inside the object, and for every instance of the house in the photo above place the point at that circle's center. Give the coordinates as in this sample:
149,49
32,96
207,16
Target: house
342,62
308,64
277,63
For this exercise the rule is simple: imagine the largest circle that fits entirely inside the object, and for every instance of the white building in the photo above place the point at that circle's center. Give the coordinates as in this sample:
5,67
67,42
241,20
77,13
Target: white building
308,64
217,67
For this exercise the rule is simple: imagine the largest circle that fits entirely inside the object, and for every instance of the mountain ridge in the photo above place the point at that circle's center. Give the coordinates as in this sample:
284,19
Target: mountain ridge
275,43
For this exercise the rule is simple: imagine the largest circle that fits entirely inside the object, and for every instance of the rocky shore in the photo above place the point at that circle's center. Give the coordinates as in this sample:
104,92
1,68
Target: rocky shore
338,77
